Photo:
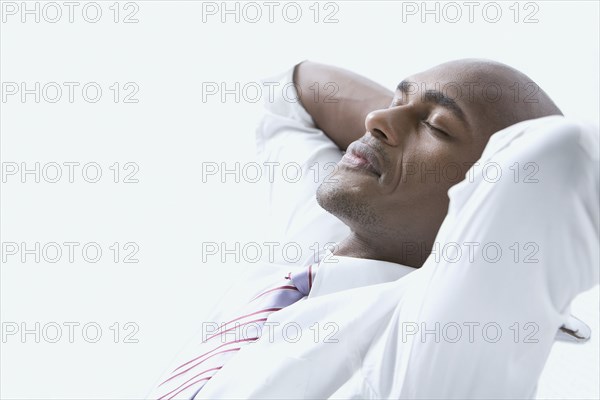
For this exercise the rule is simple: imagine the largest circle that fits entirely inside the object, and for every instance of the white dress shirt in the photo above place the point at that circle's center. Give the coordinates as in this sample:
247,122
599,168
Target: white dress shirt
469,323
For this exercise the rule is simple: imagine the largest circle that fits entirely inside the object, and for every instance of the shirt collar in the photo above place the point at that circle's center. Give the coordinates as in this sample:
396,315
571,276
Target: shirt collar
337,273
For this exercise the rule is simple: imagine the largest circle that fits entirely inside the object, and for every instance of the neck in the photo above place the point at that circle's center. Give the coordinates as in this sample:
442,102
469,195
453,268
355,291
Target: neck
409,253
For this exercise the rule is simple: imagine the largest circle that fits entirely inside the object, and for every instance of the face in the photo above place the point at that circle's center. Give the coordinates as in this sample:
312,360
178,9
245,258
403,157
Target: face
392,183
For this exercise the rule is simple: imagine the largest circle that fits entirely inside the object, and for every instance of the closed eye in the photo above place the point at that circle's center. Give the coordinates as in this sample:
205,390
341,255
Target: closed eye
436,129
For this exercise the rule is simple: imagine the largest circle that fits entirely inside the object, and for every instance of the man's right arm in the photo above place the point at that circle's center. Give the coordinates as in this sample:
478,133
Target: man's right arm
338,100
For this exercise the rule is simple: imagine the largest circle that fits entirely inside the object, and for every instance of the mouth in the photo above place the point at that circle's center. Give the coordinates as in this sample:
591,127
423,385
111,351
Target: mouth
362,157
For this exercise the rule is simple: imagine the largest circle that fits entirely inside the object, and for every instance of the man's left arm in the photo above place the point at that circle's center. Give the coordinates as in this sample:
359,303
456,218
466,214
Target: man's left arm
520,241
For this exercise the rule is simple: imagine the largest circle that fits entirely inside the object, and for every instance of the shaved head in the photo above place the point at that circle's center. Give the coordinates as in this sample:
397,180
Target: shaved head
502,94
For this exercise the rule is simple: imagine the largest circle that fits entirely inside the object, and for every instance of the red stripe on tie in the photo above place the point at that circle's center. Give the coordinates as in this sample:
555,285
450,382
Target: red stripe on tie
193,377
309,277
208,352
257,312
191,384
288,287
194,366
234,327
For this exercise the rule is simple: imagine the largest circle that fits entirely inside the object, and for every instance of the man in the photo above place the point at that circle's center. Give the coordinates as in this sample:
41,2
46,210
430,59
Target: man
411,303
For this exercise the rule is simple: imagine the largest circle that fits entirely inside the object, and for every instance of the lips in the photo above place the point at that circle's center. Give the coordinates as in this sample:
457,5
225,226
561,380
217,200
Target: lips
362,156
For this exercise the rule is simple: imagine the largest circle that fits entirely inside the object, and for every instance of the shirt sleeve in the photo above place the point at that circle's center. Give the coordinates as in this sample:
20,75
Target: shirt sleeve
298,157
520,241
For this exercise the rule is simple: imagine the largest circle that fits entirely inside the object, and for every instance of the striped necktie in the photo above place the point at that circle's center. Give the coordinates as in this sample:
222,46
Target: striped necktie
185,381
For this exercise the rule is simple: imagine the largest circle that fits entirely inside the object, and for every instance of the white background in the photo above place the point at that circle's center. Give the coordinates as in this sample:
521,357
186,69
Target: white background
170,132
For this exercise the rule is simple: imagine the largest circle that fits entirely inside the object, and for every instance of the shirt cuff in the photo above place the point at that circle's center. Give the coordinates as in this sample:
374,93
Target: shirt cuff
282,98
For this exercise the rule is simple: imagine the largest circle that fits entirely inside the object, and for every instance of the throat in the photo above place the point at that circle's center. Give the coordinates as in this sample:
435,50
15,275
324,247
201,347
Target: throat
407,253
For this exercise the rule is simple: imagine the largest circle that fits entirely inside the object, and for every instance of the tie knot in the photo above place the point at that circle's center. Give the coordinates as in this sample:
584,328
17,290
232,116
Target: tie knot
304,279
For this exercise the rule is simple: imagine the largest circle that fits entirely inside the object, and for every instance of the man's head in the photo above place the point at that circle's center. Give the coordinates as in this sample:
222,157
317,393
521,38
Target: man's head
391,186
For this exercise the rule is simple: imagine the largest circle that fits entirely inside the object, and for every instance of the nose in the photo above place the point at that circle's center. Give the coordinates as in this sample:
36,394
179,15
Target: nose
380,124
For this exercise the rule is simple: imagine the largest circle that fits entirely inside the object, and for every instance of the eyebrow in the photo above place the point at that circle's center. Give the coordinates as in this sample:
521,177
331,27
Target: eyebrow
435,97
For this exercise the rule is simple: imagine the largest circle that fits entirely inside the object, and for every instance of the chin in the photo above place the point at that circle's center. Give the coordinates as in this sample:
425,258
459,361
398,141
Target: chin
350,201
